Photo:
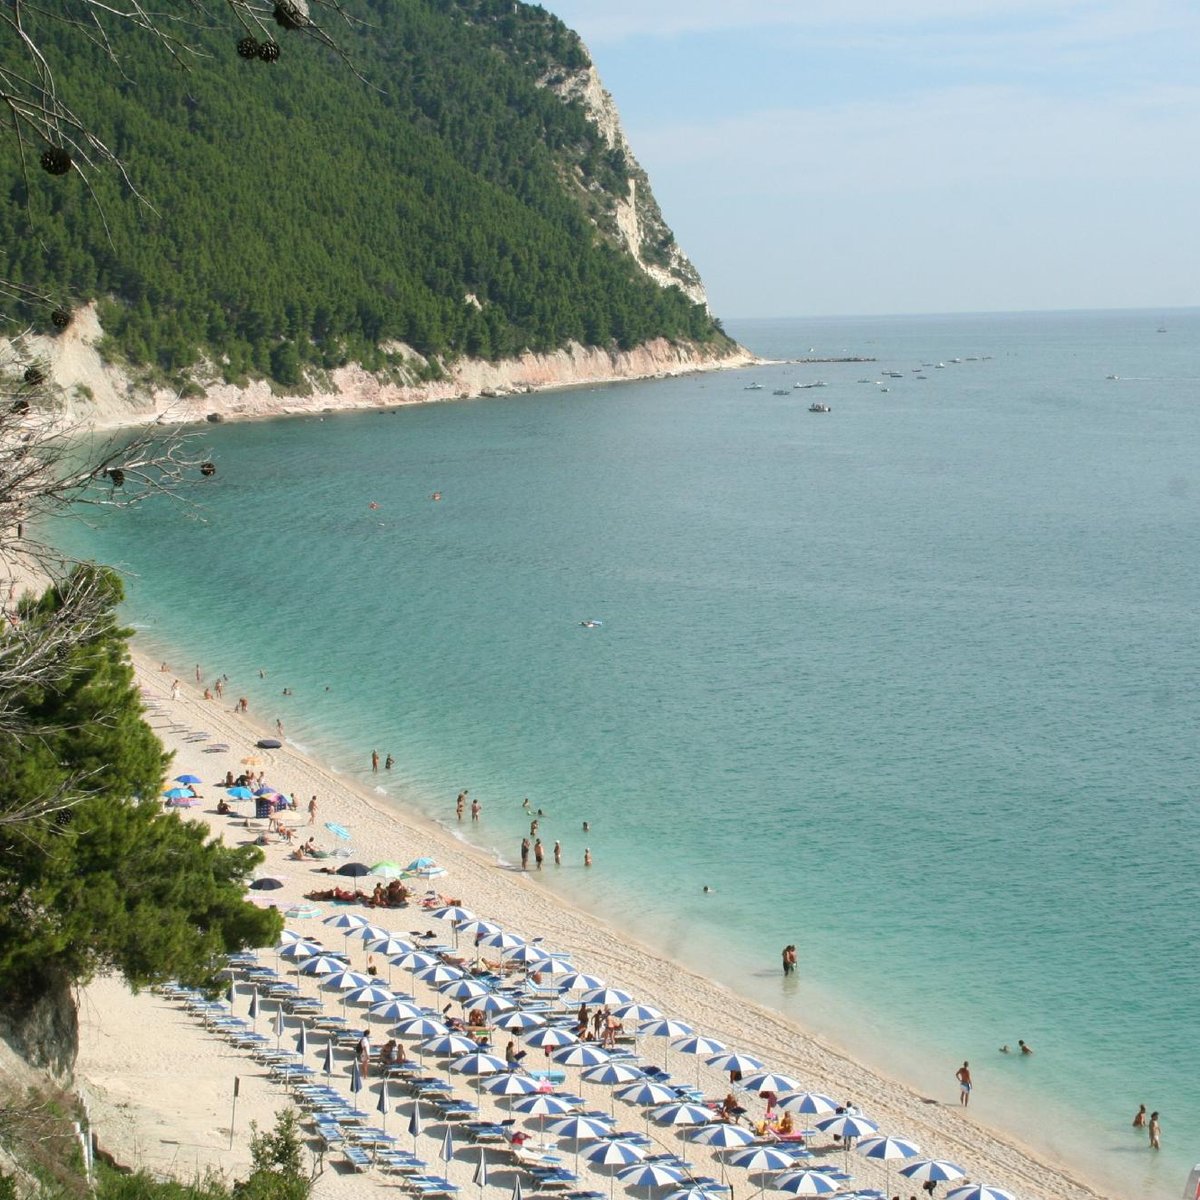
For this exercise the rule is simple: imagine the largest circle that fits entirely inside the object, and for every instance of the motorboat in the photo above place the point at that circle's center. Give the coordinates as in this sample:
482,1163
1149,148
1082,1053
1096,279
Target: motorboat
816,406
753,387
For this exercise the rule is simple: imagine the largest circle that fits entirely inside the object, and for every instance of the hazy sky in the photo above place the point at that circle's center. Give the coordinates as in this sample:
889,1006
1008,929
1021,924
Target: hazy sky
880,156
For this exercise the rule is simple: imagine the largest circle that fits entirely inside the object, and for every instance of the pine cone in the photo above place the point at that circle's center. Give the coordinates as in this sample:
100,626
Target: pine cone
56,160
269,51
60,318
248,48
208,468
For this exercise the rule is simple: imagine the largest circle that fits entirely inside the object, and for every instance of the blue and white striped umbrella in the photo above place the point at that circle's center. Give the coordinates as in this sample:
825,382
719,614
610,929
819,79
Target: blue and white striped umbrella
420,1027
577,981
613,1073
345,981
580,1129
395,1010
389,946
518,1021
807,1102
702,1046
721,1135
529,955
502,941
583,1054
847,1125
555,965
690,1193
452,912
477,925
509,1083
633,1011
287,936
683,1114
478,1063
606,995
297,951
646,1093
806,1183
649,1175
447,1045
612,1152
888,1148
346,921
939,1170
979,1191
369,993
666,1027
322,964
368,933
414,960
732,1060
542,1104
438,973
552,1036
462,989
490,1004
762,1158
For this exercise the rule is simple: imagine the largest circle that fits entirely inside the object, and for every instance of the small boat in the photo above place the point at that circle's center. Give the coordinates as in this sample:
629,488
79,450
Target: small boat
782,392
753,387
818,407
1112,377
815,383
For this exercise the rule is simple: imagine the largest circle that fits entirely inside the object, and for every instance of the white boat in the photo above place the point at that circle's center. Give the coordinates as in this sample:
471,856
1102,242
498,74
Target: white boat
818,407
753,387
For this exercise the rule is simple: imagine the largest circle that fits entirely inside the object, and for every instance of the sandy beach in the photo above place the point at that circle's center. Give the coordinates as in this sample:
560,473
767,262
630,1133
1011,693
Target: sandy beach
160,1088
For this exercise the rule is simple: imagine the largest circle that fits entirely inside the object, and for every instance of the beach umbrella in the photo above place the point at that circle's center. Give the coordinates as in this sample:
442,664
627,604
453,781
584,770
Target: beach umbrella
762,1158
935,1170
554,965
278,1026
239,793
478,1063
689,1193
683,1114
302,1040
345,980
847,1125
613,1073
414,1123
452,912
490,1004
772,1081
502,941
299,951
287,936
634,1011
421,1027
253,1009
327,1062
414,960
646,1093
188,779
265,791
368,933
667,1027
700,1046
384,1104
300,912
394,1010
612,1152
356,1082
542,1104
179,794
518,1021
552,1036
390,945
447,1045
606,996
354,870
370,993
475,926
462,989
438,973
806,1183
529,956
582,1054
576,981
808,1102
889,1149
649,1175
721,1135
387,869
345,920
447,1154
733,1061
580,1129
979,1191
339,831
480,1176
509,1083
516,1192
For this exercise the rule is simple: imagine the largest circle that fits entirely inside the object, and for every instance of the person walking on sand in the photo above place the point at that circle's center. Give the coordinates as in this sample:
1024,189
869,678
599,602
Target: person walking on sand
278,727
219,687
558,854
175,690
539,853
963,1075
1155,1132
524,854
375,761
312,811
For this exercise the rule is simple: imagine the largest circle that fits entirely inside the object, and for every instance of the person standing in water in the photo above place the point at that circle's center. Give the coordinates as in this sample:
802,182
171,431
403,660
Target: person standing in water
460,804
1139,1117
539,853
558,854
587,857
524,854
1155,1132
375,761
963,1075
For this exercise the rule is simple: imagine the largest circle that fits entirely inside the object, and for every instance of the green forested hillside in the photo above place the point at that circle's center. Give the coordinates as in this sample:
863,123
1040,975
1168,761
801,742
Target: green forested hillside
304,216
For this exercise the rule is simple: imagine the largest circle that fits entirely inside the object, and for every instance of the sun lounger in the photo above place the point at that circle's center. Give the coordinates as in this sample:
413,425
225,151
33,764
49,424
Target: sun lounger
430,1185
356,1159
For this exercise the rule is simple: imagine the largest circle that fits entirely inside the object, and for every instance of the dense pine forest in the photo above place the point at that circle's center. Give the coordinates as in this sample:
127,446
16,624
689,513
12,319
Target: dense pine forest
423,187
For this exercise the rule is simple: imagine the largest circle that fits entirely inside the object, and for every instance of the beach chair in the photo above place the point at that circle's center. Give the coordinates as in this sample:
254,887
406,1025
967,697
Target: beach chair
356,1159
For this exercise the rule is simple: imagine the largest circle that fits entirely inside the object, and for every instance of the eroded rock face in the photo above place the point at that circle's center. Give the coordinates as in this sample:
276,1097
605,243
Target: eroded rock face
43,1029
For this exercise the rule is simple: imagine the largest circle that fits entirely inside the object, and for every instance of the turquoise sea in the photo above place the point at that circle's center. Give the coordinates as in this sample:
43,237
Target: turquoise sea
912,684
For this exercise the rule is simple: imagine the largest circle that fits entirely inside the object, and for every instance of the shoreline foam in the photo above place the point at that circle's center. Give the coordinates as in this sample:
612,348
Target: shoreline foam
118,1029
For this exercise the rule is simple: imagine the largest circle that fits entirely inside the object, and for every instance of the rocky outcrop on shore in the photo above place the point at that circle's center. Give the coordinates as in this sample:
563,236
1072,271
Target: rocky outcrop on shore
99,395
